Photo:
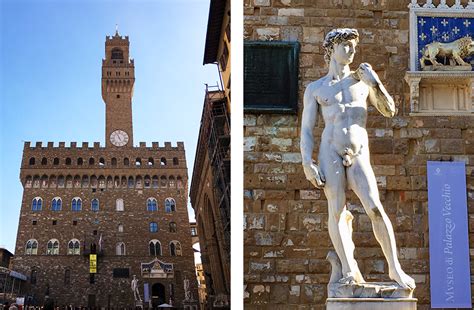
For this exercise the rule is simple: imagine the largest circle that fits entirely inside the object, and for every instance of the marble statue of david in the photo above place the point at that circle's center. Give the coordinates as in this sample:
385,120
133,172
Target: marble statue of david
342,97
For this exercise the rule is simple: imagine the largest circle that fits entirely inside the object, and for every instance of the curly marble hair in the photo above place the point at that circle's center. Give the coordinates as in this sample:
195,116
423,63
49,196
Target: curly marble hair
337,36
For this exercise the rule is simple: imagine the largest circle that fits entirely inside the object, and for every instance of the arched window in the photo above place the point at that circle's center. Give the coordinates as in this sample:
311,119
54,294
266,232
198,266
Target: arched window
138,182
154,181
147,181
175,161
110,182
77,181
126,161
56,204
56,161
76,204
117,53
29,181
155,247
170,205
163,181
80,161
32,161
67,276
151,204
37,204
151,162
175,248
171,182
153,227
44,161
93,181
85,181
163,161
31,247
179,182
138,162
101,162
101,181
120,248
173,227
53,247
91,161
69,181
44,181
36,181
73,247
95,205
131,182
68,161
120,228
119,204
114,161
53,181
61,181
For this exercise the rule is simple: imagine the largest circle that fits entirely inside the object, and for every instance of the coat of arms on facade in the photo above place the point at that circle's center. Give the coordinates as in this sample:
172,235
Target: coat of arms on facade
157,269
441,75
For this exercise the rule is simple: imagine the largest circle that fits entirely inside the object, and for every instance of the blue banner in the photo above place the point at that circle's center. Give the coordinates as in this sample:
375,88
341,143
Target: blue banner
146,292
450,276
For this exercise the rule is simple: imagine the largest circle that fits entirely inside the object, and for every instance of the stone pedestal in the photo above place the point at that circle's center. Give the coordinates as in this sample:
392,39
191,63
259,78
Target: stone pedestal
371,303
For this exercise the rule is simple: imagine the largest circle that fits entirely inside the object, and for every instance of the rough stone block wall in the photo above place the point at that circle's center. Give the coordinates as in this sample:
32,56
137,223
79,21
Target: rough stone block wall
286,238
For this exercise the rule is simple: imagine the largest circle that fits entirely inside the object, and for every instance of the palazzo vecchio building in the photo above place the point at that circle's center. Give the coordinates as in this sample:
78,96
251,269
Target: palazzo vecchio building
92,217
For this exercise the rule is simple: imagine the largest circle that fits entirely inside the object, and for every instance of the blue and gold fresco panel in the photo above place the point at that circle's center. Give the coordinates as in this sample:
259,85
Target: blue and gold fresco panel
442,29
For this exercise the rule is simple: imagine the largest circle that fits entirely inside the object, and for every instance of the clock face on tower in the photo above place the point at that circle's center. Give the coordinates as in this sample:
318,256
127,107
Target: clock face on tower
119,138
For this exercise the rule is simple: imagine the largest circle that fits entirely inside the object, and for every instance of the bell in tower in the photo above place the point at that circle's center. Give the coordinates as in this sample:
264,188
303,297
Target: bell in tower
118,77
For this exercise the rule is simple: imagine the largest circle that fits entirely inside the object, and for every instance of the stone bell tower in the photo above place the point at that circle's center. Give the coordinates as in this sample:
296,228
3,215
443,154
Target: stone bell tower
118,77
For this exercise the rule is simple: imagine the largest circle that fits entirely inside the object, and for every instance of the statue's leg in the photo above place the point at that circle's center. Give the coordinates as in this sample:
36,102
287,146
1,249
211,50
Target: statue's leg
362,180
338,221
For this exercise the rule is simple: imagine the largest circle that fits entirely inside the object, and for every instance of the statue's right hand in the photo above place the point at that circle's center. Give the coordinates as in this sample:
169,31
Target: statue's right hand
314,175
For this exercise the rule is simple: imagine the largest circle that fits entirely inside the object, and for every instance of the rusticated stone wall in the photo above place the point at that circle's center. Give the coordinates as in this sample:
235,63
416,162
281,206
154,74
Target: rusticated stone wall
152,172
286,238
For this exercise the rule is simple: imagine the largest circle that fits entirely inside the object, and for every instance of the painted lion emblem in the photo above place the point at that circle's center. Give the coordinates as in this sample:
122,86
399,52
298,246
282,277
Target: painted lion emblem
452,53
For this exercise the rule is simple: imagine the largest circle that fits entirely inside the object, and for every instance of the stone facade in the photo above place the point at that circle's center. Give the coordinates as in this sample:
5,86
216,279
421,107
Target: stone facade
129,197
210,186
286,238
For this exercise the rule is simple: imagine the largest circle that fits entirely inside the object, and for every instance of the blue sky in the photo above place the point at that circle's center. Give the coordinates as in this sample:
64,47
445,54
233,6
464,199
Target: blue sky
50,75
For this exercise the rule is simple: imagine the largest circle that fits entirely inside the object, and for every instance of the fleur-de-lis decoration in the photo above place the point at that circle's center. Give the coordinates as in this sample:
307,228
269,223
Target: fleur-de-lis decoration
466,23
444,22
422,22
445,36
422,36
456,30
433,29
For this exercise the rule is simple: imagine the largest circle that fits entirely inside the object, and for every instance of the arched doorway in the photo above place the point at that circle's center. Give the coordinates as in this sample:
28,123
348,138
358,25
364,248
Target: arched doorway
158,296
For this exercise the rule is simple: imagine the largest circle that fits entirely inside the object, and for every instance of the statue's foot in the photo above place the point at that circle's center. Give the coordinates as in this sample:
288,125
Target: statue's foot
402,278
358,277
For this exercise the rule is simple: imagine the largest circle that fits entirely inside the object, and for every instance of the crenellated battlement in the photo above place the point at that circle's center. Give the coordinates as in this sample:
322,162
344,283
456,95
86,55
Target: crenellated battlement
86,155
117,40
155,146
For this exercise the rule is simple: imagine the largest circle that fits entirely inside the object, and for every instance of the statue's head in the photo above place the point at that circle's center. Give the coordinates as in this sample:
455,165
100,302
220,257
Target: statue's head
337,37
